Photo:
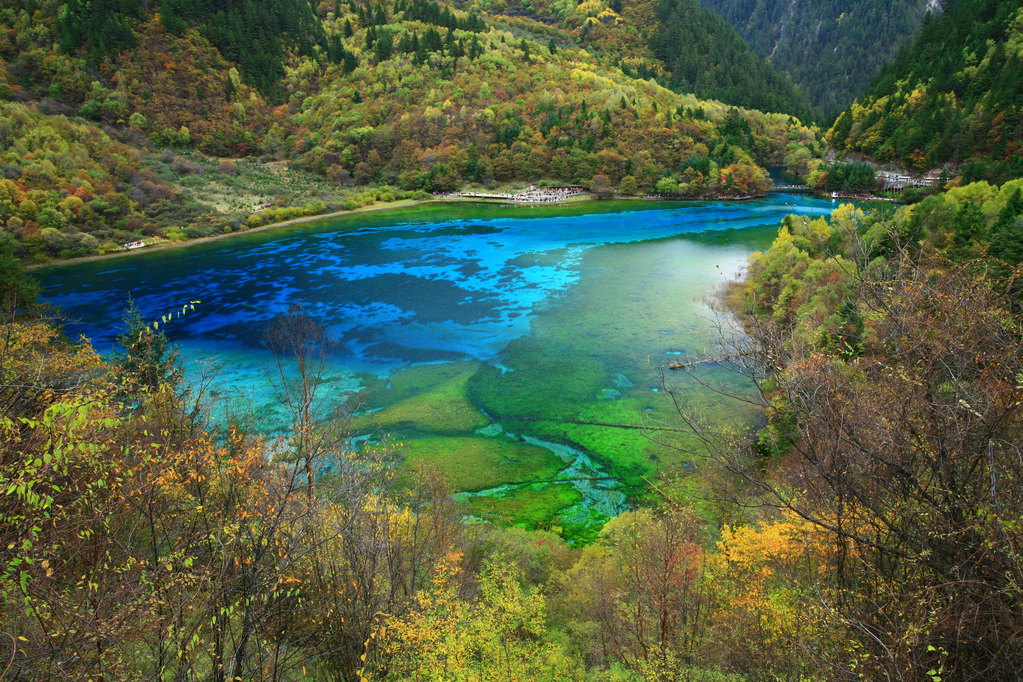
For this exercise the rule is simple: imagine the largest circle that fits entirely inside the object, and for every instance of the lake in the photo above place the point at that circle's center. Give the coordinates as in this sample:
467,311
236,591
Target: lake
517,349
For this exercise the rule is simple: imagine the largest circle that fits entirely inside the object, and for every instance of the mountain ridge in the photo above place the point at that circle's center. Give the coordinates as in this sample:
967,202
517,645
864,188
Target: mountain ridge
953,97
831,50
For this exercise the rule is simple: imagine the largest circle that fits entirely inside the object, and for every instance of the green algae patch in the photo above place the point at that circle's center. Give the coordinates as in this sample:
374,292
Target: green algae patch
580,525
622,453
429,398
470,463
543,384
408,382
529,507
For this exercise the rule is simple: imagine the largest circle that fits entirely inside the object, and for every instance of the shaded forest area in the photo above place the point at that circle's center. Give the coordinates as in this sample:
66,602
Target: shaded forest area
704,55
832,50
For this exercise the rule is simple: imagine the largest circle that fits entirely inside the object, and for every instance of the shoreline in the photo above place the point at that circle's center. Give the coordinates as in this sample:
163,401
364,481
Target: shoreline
404,203
169,245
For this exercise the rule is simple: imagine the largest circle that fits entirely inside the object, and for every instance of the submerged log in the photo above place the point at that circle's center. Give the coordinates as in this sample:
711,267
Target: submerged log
706,361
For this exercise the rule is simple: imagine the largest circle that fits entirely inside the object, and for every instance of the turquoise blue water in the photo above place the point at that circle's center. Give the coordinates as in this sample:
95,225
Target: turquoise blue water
610,290
392,289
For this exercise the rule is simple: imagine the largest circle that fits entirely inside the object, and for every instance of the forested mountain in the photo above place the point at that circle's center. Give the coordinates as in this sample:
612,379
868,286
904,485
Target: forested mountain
677,42
410,93
830,49
705,55
953,96
252,35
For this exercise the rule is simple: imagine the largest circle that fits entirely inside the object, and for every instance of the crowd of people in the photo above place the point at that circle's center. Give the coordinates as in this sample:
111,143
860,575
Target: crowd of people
859,196
532,195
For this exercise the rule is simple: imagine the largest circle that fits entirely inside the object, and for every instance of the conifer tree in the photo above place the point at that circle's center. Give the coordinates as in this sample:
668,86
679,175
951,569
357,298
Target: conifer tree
144,357
384,47
18,290
967,230
1007,232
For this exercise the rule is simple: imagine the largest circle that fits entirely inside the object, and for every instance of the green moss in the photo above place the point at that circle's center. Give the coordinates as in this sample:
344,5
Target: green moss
593,359
428,398
621,452
409,382
477,463
544,384
581,526
529,507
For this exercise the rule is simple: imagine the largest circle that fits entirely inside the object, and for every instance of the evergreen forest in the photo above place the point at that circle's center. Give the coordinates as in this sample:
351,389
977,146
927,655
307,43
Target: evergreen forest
953,96
832,50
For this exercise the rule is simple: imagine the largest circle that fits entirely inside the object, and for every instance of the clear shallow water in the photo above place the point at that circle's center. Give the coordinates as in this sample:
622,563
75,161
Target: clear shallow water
453,318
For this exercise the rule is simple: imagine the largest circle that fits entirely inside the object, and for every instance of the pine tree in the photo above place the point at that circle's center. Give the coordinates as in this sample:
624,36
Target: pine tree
145,358
968,229
384,47
18,290
1007,232
349,62
475,49
431,41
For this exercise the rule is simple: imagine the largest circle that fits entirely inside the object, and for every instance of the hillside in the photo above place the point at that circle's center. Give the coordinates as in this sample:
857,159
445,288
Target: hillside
830,49
103,144
954,96
705,55
890,343
677,42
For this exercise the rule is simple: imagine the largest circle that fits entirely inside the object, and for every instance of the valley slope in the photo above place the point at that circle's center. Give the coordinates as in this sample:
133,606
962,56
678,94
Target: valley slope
830,49
954,96
121,124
